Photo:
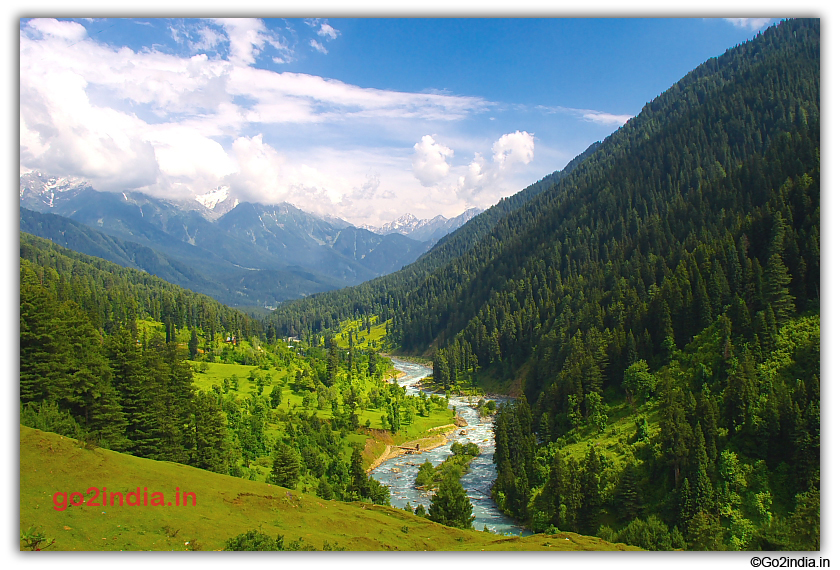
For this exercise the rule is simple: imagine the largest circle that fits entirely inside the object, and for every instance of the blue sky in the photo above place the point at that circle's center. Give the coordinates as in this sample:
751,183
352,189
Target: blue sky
365,119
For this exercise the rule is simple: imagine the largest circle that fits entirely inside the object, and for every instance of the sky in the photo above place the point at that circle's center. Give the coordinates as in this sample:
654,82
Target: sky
361,118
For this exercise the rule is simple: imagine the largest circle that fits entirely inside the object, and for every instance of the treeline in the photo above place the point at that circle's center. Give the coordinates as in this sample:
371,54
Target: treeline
681,261
112,296
96,366
108,389
87,371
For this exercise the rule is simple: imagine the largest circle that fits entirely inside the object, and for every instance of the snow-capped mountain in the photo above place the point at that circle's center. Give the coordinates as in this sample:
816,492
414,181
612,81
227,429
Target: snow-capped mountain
39,191
424,230
218,201
238,252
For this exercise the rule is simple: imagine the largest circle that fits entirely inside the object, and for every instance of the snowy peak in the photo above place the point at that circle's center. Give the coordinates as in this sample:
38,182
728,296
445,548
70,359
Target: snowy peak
218,201
405,224
212,198
427,229
40,191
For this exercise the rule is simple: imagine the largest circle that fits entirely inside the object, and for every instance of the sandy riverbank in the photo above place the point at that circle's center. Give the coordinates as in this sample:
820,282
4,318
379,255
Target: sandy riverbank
426,444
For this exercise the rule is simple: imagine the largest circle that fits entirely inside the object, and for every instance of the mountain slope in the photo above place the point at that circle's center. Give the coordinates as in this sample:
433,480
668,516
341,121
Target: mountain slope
234,286
183,242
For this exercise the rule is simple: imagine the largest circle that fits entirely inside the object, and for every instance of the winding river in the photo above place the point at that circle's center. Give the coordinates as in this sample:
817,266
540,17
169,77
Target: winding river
399,472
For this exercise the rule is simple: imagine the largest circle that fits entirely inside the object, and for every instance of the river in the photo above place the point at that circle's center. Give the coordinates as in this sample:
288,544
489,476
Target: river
399,472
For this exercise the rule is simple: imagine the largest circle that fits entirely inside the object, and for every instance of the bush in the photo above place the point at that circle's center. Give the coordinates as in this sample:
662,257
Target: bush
47,416
425,475
254,540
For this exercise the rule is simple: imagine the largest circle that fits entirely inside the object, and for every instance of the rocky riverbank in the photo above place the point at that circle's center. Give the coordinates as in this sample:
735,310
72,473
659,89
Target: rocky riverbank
426,444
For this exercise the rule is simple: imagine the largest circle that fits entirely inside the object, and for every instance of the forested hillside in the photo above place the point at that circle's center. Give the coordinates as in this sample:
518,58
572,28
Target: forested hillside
384,296
671,280
120,359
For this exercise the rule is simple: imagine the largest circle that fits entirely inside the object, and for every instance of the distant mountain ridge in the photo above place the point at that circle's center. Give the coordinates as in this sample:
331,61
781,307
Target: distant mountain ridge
214,243
427,229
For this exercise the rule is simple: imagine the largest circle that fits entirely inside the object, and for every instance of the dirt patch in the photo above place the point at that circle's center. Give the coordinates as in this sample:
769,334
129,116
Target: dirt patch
425,443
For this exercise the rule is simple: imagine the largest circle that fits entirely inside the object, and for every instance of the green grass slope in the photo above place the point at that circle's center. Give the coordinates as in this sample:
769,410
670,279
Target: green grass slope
225,506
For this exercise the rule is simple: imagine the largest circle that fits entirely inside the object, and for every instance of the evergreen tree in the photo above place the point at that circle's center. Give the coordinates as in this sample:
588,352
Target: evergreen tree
285,468
193,344
450,505
210,448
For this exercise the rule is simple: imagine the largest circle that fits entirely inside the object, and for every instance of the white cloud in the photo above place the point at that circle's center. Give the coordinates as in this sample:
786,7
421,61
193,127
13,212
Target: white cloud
259,175
751,23
61,131
70,31
318,46
323,28
593,116
606,118
189,158
429,163
483,183
208,39
328,31
247,36
513,148
178,126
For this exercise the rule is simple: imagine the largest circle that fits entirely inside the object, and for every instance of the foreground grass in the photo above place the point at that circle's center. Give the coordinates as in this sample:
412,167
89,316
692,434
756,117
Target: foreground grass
225,506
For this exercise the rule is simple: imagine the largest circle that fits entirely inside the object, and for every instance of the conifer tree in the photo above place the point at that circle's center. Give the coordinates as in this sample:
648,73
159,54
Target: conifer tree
450,505
285,468
210,446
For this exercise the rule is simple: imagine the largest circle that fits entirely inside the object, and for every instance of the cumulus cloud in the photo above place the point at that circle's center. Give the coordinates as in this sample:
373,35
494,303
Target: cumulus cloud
476,172
429,163
750,23
513,148
483,181
60,130
259,174
70,31
176,125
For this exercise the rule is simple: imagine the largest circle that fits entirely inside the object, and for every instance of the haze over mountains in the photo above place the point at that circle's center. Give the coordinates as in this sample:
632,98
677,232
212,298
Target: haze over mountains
238,252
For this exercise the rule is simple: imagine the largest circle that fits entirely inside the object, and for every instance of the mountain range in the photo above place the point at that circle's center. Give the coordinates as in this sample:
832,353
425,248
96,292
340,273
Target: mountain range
240,253
424,230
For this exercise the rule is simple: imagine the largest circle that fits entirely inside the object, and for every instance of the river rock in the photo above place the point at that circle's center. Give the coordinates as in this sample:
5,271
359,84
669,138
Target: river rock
460,422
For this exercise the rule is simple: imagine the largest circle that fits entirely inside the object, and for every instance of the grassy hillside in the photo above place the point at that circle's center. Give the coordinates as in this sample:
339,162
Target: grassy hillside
225,506
365,337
